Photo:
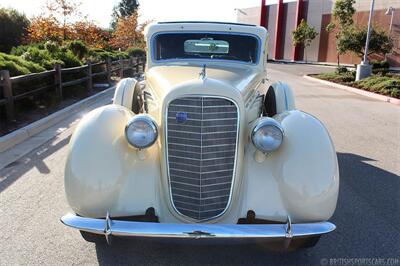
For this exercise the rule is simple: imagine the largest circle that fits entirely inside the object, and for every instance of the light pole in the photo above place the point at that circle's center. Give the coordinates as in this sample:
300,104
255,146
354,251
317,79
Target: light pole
390,11
364,69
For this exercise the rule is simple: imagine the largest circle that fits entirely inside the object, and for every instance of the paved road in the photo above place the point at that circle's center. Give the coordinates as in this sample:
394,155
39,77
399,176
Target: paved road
366,135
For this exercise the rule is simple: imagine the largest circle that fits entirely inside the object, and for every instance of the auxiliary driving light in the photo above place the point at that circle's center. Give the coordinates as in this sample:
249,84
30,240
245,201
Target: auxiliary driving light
141,131
267,135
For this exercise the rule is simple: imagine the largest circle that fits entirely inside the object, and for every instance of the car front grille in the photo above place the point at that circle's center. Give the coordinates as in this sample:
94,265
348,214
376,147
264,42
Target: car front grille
201,143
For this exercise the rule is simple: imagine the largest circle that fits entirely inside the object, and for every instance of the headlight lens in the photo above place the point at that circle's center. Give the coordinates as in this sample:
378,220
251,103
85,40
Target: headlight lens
141,131
267,135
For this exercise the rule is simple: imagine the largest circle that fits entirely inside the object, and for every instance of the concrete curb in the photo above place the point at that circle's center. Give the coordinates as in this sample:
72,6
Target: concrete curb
357,91
10,140
312,63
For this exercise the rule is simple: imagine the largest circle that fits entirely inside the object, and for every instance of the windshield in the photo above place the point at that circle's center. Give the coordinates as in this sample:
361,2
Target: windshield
206,45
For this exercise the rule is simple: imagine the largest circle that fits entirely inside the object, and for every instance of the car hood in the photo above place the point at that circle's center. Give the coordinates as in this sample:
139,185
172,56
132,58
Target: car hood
166,78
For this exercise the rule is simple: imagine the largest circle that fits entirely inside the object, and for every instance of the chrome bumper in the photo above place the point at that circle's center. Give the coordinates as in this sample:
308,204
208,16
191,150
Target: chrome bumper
110,228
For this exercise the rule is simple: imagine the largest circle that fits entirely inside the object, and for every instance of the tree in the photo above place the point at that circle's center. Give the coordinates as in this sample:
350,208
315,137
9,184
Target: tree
13,28
343,12
64,9
90,34
125,8
44,28
380,42
55,25
304,35
128,33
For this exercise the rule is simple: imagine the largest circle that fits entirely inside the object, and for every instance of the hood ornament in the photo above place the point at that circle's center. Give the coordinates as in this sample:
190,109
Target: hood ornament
203,74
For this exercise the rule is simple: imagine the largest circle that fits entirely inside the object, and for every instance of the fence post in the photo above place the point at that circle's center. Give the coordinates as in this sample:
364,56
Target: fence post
137,66
58,81
108,68
143,59
89,83
121,64
8,95
131,71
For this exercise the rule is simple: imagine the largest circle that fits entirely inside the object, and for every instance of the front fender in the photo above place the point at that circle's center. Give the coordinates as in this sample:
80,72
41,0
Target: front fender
300,179
104,173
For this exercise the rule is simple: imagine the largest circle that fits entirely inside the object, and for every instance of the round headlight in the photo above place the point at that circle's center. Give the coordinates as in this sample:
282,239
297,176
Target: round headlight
267,135
141,131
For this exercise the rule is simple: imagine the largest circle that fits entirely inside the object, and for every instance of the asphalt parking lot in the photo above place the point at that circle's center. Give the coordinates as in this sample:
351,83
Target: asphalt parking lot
366,135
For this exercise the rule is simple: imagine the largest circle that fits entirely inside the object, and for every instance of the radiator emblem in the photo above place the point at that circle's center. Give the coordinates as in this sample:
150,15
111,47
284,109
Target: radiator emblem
181,117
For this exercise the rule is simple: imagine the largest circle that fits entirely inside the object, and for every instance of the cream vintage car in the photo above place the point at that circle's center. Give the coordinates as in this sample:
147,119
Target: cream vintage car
203,148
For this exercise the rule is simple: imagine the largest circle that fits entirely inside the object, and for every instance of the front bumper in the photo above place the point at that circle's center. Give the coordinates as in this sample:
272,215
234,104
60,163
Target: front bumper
109,227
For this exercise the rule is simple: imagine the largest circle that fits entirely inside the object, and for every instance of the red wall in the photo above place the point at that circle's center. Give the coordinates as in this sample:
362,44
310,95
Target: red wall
327,49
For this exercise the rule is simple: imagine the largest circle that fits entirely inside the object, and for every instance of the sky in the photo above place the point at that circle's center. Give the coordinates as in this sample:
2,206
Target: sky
158,10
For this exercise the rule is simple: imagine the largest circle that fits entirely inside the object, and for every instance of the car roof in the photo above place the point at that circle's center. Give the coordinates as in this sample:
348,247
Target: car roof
207,22
204,26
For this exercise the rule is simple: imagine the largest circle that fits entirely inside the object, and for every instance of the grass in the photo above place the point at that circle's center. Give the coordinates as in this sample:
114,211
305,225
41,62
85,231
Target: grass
388,85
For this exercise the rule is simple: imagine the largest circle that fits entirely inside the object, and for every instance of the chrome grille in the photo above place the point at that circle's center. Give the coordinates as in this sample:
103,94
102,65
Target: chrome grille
201,154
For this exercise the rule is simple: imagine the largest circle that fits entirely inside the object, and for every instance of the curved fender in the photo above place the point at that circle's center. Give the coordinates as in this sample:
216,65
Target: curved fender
283,96
104,173
124,92
301,178
309,172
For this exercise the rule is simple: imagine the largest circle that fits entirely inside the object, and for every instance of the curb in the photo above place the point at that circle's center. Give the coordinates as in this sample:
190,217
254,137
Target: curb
369,94
10,140
311,63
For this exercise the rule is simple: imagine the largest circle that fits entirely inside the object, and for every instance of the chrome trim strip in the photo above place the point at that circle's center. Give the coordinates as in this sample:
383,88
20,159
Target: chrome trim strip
109,227
187,218
207,133
179,157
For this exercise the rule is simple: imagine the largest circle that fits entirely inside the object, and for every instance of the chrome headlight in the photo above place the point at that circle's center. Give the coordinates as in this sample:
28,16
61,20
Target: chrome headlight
141,131
267,135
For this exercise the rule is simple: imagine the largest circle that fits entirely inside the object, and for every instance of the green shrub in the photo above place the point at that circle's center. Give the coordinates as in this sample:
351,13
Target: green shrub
348,76
69,59
118,55
43,57
13,68
380,67
52,47
18,66
47,55
35,55
384,85
345,77
136,52
20,50
100,55
78,48
341,70
97,54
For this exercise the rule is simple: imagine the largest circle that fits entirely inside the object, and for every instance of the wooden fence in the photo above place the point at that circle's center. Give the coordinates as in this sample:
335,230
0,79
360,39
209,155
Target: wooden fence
59,84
